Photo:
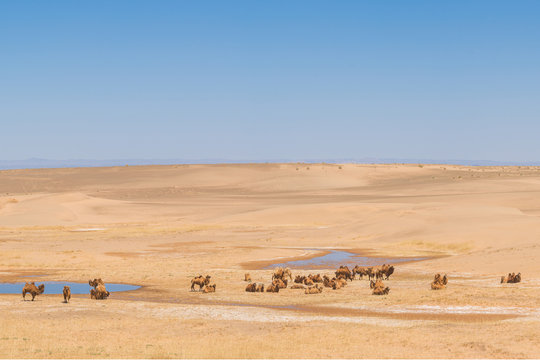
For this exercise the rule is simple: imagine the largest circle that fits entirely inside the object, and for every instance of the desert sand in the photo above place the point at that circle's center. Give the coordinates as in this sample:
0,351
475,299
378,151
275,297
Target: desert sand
159,226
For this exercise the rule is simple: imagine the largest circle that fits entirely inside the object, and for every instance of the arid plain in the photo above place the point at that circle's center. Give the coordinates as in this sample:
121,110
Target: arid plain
159,226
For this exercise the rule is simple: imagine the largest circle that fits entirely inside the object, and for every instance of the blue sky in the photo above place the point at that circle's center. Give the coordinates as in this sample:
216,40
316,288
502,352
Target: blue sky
270,80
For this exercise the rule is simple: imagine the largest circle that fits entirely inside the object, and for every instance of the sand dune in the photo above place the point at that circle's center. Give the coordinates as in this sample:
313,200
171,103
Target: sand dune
158,226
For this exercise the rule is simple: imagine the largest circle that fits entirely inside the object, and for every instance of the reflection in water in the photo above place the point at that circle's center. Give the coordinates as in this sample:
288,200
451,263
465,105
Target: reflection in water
336,258
56,287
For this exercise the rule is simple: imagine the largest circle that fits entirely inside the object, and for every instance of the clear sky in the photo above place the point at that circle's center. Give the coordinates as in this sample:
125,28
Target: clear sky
270,79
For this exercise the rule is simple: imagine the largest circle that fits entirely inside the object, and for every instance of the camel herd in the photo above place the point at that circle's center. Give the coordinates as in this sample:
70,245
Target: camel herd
315,283
311,284
98,292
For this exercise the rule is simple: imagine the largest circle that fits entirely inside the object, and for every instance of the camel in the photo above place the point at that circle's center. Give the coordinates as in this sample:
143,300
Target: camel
280,273
360,270
327,281
381,291
272,288
95,282
298,286
335,284
344,272
387,271
67,294
439,282
299,279
201,281
317,289
209,288
374,284
254,287
33,290
511,278
378,287
99,292
370,273
308,282
282,284
316,278
247,277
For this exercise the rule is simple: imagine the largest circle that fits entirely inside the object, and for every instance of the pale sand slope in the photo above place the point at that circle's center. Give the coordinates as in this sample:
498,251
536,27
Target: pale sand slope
160,225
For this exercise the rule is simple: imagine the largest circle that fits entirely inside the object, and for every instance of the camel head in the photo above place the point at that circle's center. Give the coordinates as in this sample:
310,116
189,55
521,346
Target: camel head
207,280
41,288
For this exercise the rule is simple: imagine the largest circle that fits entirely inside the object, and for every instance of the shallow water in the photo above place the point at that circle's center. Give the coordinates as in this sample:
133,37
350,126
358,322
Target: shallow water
336,258
57,287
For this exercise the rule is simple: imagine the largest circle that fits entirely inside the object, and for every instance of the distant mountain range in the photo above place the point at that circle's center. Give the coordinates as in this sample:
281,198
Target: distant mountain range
48,163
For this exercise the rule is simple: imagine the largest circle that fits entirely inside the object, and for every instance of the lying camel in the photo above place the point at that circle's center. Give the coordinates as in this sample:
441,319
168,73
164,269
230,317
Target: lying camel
511,278
33,290
317,289
374,284
378,287
326,281
280,283
308,282
299,279
201,281
298,286
247,277
272,288
99,292
254,287
316,278
381,291
209,288
67,294
439,282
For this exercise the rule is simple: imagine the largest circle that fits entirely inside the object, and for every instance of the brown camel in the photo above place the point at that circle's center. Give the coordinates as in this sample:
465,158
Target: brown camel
381,291
247,277
67,294
99,292
344,272
298,286
299,279
378,287
209,288
251,287
511,278
272,288
439,282
317,289
33,290
280,283
360,270
281,273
